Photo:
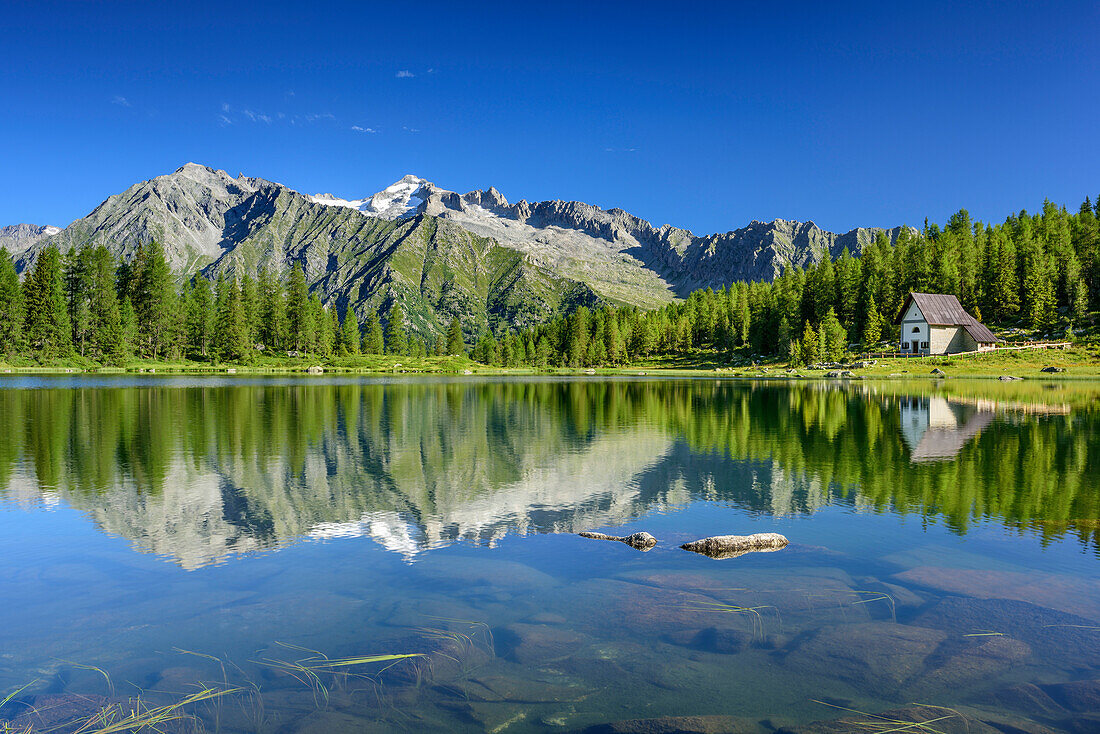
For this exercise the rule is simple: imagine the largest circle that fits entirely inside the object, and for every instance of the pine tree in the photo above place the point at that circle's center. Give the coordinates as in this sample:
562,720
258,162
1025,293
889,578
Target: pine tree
578,337
106,333
542,352
613,340
153,300
299,317
835,342
487,350
349,333
231,337
373,342
397,341
849,284
454,337
47,315
250,304
872,324
11,307
128,329
77,294
274,329
821,289
784,336
809,354
644,337
325,327
201,317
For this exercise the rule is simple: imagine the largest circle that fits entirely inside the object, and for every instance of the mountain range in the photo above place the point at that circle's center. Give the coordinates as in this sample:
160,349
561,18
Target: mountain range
438,253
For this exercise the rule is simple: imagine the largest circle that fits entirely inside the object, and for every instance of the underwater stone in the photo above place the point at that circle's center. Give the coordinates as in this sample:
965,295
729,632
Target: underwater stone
731,546
677,725
910,718
642,541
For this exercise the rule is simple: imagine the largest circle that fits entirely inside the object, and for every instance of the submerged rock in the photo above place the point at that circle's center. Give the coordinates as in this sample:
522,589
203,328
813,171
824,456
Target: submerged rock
537,644
642,541
677,725
1057,638
877,657
56,711
1082,696
732,546
910,718
1062,592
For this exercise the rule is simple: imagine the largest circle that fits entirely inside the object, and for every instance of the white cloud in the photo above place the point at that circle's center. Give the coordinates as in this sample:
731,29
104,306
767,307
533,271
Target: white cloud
225,107
404,74
224,120
257,117
410,129
359,129
120,101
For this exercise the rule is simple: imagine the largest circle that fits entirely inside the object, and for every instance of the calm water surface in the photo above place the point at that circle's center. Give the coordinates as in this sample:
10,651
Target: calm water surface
945,544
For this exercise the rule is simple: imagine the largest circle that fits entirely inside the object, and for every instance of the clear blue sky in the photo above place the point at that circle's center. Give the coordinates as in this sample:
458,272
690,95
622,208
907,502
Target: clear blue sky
701,115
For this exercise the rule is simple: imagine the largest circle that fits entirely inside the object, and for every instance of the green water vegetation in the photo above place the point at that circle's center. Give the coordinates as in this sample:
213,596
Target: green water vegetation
1030,276
132,714
198,707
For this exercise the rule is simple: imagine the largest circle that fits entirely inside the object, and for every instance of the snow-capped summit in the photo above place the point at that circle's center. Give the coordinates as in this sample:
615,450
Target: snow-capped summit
393,202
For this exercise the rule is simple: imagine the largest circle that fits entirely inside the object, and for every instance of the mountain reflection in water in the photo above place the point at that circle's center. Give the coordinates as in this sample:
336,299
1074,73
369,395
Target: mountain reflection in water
199,473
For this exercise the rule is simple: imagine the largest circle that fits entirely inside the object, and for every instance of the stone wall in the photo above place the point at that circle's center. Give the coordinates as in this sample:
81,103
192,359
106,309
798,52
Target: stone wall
942,339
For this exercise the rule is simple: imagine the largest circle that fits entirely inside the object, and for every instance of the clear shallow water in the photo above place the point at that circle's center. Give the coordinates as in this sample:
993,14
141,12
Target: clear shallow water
944,549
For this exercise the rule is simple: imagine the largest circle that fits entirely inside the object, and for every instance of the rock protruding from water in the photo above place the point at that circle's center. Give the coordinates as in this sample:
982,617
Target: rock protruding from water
732,546
642,541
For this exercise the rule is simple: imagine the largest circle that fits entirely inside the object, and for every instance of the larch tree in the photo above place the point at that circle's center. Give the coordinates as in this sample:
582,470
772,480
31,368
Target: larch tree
11,307
201,317
397,340
373,340
154,300
349,333
106,331
299,316
455,345
46,317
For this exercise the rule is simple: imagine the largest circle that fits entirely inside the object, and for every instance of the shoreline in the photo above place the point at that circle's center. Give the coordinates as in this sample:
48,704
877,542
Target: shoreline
1091,373
1080,362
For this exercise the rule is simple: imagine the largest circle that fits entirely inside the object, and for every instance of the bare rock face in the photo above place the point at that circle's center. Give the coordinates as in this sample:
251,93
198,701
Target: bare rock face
18,238
642,541
732,546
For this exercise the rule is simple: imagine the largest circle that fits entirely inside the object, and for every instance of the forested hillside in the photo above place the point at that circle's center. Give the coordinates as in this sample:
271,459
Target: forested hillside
1041,272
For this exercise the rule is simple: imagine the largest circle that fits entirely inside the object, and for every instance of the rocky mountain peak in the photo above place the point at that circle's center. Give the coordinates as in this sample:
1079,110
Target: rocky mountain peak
207,219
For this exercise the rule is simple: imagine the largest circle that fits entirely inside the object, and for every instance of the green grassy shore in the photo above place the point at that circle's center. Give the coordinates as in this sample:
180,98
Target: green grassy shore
1079,362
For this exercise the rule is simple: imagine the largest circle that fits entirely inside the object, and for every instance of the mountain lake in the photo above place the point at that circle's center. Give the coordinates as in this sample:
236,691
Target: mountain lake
361,554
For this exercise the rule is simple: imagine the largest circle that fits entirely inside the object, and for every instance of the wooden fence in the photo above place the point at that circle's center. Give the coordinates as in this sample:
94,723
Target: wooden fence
1006,347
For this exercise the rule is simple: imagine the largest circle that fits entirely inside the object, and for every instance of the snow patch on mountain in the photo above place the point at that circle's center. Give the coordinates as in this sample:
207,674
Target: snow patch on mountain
396,201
